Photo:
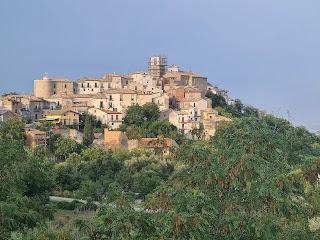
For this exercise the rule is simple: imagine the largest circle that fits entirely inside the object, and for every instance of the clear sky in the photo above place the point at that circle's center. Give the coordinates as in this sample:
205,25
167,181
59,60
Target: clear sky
265,52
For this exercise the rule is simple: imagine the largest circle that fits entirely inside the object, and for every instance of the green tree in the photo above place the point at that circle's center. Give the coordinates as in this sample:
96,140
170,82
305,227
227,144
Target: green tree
216,100
26,182
88,131
12,129
63,147
240,185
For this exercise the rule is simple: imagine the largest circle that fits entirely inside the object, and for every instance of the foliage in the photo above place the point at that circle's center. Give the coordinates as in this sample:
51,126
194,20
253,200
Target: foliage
12,129
63,147
45,125
88,131
142,121
243,184
26,182
237,109
216,100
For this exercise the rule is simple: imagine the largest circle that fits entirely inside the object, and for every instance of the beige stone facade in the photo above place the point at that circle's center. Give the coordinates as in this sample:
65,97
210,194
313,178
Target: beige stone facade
35,138
47,87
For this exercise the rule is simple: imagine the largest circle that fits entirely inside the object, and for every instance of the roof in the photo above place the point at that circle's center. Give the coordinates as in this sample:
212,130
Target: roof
58,112
120,91
56,79
189,99
97,135
4,111
182,113
108,111
181,73
36,132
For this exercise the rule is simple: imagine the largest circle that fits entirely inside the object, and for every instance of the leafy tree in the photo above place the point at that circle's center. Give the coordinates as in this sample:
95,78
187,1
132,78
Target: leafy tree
140,115
88,131
63,147
197,133
26,182
236,188
12,129
45,126
216,100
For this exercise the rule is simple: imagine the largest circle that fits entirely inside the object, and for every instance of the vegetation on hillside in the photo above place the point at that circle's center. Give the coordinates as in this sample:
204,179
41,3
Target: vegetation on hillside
256,179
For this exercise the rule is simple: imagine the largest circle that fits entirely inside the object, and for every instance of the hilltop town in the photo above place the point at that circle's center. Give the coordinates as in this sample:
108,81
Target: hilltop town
179,95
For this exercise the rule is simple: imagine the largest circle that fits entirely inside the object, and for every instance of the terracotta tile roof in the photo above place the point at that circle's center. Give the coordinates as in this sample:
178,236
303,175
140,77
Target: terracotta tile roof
97,135
108,111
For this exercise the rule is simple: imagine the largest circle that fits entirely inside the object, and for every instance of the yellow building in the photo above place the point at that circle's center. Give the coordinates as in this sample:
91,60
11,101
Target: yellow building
210,120
62,117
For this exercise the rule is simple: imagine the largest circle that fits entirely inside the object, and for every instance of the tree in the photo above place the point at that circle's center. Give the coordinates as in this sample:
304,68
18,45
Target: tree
88,131
26,182
197,133
240,185
141,115
216,100
12,129
65,146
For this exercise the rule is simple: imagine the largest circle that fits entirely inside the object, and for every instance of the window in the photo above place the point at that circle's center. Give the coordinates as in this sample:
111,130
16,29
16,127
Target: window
182,126
81,84
101,104
135,88
132,97
109,85
54,85
65,86
95,85
88,85
65,122
36,116
117,117
111,117
194,104
121,97
64,114
74,114
91,89
54,92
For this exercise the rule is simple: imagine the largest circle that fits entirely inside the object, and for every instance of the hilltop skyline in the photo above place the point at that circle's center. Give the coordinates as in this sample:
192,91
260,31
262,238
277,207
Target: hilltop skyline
265,53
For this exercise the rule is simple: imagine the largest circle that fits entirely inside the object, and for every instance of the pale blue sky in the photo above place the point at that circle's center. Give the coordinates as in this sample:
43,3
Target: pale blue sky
265,52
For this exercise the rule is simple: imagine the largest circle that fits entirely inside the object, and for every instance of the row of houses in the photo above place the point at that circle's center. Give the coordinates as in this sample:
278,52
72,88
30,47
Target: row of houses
180,96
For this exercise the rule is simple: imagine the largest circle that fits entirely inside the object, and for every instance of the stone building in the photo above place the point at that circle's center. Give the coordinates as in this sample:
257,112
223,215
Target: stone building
47,87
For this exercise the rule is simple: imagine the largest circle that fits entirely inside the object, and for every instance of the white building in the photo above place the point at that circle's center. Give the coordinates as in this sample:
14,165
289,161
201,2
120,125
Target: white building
111,118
